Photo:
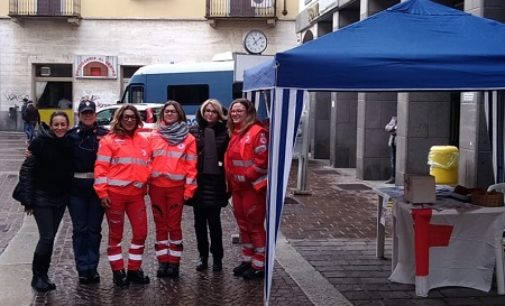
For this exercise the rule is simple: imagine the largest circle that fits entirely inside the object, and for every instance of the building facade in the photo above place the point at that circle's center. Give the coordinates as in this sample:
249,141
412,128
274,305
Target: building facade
348,128
55,51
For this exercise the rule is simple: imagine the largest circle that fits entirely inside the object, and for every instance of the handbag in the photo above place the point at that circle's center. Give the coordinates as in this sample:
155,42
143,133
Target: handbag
17,194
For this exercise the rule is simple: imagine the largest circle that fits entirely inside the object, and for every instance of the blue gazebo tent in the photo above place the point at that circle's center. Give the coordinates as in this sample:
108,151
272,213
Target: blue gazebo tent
416,45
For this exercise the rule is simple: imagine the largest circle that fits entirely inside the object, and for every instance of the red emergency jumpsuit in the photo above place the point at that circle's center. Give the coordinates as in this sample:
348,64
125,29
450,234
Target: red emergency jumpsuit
173,180
246,162
121,173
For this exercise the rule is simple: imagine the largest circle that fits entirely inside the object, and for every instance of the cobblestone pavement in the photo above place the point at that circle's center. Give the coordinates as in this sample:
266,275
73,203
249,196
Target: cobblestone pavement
11,213
334,230
192,287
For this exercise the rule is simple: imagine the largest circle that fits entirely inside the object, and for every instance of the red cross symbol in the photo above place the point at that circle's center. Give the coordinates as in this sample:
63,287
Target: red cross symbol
427,235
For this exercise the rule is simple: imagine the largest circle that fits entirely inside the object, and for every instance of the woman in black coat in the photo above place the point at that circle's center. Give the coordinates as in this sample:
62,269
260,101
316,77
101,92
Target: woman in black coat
46,178
212,140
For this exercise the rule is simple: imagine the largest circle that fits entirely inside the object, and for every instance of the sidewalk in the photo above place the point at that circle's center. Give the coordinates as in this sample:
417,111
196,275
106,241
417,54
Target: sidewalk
334,230
325,254
18,238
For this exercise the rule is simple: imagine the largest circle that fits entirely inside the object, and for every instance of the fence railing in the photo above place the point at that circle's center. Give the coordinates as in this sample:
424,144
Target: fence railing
45,8
240,8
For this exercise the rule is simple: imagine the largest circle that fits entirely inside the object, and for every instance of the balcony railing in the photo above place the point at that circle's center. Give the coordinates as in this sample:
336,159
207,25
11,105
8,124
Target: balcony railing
240,9
45,8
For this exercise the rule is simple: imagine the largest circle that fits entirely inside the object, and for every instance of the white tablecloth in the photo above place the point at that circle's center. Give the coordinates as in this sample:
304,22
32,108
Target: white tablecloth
467,259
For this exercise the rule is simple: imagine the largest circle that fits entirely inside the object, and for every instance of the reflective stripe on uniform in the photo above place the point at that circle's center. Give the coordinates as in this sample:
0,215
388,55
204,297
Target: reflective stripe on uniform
128,160
176,242
162,242
191,157
173,177
239,178
190,181
115,257
247,245
104,158
123,183
101,180
260,180
162,252
175,253
258,263
166,153
84,175
259,250
260,170
260,149
134,256
241,163
136,246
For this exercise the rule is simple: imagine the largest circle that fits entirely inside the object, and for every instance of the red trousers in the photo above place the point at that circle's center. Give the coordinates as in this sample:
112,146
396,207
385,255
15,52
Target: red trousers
135,209
167,204
249,208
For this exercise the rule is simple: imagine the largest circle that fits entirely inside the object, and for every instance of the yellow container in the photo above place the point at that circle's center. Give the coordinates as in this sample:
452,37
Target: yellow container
443,161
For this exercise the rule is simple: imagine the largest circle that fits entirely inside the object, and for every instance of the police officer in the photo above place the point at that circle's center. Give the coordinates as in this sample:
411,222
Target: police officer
85,209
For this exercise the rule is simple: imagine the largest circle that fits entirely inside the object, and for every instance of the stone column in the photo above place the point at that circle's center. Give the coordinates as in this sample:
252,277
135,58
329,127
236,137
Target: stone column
475,163
372,152
374,111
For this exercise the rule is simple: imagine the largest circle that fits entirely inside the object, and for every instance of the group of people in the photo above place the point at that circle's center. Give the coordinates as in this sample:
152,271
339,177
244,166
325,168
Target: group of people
109,172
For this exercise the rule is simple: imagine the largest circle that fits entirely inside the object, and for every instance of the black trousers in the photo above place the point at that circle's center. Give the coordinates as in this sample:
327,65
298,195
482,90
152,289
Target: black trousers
48,211
212,217
48,220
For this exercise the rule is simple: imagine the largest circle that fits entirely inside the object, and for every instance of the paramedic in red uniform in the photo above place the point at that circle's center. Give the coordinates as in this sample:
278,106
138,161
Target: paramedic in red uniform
121,173
172,182
246,162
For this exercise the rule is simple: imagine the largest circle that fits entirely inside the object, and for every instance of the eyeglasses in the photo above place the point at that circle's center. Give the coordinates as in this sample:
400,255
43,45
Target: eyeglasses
210,111
129,118
169,111
237,111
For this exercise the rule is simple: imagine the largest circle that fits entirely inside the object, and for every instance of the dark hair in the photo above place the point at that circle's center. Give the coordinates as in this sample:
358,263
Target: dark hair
250,111
115,126
178,108
59,113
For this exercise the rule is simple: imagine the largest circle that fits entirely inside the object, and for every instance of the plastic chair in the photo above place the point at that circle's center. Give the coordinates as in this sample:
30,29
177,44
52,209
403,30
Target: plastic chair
500,187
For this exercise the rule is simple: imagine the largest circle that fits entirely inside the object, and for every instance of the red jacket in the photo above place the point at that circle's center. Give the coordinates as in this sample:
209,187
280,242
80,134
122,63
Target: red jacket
246,159
122,165
174,165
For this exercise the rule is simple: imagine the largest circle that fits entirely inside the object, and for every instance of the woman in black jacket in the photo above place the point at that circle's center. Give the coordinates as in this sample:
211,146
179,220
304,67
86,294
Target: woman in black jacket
212,140
46,177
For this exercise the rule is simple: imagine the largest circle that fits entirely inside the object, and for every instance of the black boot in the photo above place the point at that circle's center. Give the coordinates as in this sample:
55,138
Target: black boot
41,284
173,270
137,277
120,279
40,280
240,269
202,264
162,269
93,276
252,273
217,265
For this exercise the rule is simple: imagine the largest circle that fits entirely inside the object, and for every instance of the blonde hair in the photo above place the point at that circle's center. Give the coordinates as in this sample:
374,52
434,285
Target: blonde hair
249,120
115,126
178,108
217,106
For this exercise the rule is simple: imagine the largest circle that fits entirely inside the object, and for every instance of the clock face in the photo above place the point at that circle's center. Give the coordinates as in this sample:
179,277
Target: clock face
255,42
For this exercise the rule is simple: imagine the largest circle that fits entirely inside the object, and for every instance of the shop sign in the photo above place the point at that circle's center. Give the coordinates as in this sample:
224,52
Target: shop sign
95,66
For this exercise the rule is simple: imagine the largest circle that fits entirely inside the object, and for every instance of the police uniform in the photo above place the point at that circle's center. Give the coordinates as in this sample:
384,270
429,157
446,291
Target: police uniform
85,209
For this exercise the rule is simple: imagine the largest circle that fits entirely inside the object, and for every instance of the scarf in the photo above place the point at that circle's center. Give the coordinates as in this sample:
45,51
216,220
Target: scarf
210,161
174,133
